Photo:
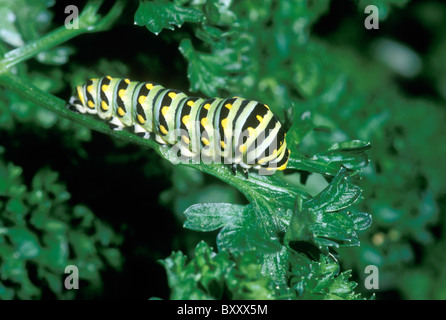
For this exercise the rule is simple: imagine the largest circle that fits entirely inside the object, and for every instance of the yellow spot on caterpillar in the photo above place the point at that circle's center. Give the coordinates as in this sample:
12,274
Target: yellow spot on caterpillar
104,105
207,106
228,105
109,78
259,118
204,121
90,104
251,131
163,129
127,81
104,87
275,152
149,86
224,123
223,144
141,99
90,88
164,110
141,119
190,103
186,119
266,107
205,141
121,112
172,95
186,140
242,148
121,93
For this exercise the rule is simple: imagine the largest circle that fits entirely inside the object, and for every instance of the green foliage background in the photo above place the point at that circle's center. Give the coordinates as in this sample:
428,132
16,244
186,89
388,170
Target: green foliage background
70,195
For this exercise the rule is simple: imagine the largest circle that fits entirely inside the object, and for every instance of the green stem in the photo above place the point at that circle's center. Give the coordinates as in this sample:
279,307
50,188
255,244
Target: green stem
31,49
89,21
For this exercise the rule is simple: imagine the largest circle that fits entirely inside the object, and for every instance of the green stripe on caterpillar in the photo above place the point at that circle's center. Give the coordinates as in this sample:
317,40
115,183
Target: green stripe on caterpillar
240,132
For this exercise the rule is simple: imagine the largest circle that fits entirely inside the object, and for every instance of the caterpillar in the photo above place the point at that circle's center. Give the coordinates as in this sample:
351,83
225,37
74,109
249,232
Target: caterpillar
242,133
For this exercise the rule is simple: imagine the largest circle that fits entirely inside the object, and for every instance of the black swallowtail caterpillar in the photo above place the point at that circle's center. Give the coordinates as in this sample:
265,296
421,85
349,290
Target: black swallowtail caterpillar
238,131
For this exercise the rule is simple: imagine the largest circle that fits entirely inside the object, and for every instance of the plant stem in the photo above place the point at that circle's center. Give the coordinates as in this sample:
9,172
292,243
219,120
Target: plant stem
88,21
33,48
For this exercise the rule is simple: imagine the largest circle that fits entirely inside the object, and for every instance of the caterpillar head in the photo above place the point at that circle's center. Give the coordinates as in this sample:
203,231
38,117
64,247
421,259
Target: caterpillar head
276,156
279,163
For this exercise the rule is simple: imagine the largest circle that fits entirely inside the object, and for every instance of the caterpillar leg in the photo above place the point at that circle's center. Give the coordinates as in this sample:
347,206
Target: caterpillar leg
236,166
180,154
159,139
187,153
115,124
140,131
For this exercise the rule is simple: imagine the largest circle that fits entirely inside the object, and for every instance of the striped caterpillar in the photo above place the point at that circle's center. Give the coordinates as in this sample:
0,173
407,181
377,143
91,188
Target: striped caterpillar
240,132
